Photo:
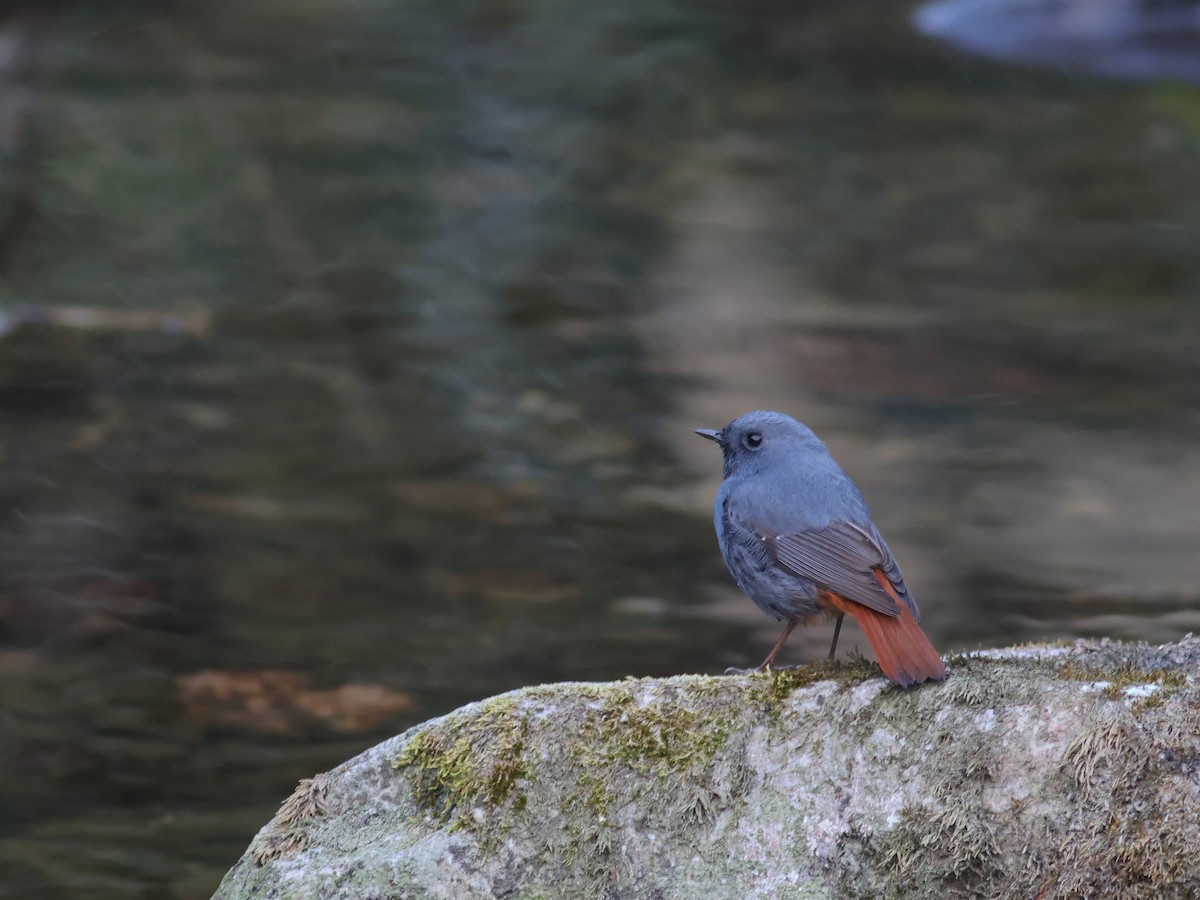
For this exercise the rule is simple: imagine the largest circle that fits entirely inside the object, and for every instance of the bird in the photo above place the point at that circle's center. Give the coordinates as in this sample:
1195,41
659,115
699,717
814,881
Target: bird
798,539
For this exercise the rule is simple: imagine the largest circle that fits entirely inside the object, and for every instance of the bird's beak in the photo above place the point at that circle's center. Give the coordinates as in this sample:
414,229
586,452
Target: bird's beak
712,434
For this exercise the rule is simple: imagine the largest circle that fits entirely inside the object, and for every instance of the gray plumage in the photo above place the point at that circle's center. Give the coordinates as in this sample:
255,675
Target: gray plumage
791,523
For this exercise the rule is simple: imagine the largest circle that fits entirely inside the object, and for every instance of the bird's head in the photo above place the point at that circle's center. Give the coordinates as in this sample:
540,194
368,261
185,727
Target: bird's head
761,440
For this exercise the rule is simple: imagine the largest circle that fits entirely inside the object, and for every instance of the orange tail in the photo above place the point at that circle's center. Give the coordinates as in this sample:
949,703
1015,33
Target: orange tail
903,651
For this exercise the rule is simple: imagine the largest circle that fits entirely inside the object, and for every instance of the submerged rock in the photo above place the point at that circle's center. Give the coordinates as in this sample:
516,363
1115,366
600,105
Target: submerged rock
1137,40
1047,771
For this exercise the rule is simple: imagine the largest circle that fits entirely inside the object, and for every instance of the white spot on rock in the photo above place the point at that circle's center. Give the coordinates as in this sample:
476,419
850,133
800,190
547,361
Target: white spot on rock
863,694
986,720
1140,691
1034,651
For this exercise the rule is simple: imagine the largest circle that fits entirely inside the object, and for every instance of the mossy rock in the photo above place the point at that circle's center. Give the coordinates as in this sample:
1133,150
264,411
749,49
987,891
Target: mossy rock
1037,771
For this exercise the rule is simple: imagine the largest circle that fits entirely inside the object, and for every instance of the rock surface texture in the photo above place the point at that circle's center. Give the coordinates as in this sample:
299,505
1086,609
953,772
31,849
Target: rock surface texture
1039,771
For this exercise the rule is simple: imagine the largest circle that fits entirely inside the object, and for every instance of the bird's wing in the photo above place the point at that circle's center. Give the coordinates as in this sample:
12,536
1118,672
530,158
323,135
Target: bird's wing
844,558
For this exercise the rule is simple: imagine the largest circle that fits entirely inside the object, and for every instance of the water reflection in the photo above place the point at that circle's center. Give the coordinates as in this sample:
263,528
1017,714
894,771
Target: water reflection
1137,39
461,280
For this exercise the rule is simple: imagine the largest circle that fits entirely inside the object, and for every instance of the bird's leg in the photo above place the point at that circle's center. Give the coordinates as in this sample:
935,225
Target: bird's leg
837,629
766,663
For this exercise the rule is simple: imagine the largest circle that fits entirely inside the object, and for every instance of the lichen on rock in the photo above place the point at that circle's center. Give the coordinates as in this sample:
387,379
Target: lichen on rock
1048,771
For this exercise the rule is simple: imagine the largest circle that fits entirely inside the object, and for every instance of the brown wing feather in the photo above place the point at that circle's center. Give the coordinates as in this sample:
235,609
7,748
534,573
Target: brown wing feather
844,558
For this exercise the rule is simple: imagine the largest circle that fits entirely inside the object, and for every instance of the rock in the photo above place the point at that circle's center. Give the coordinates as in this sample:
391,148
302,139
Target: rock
1036,771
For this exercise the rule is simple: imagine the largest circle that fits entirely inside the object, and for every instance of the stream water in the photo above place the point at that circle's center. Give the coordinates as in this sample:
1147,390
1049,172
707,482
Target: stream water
351,353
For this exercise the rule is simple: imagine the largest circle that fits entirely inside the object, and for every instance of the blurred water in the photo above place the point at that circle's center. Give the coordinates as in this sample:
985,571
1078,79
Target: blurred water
351,354
1136,39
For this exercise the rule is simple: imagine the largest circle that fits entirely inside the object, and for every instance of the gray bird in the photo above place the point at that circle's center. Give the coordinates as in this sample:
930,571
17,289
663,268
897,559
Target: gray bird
798,539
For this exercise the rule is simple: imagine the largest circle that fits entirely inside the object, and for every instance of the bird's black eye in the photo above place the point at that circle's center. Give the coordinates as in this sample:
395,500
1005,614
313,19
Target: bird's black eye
754,440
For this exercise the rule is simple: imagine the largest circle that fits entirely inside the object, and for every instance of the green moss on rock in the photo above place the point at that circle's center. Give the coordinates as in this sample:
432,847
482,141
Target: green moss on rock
1023,774
469,760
